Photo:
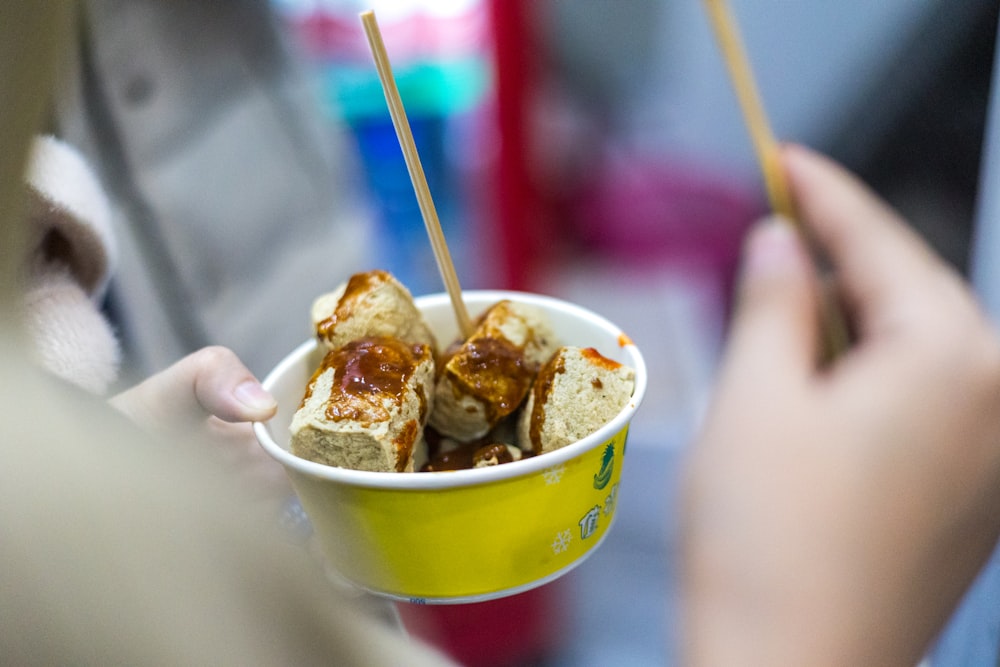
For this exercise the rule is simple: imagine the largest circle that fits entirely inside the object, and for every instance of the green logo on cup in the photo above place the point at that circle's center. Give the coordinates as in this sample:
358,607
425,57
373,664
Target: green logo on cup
603,475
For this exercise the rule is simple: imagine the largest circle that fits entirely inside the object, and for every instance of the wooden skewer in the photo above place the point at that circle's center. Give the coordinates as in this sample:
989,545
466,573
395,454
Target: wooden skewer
417,177
835,335
753,109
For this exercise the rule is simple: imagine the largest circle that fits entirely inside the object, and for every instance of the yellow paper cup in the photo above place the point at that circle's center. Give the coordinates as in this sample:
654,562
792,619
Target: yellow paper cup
469,535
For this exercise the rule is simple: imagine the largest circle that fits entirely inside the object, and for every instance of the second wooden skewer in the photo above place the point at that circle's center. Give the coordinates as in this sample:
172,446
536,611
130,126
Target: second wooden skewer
835,333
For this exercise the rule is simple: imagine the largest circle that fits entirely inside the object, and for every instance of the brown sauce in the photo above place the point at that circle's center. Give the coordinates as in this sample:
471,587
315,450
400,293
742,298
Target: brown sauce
368,374
491,368
540,390
465,455
468,456
357,286
598,359
404,443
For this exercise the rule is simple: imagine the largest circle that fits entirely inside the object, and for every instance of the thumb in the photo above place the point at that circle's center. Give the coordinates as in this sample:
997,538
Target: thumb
210,382
775,324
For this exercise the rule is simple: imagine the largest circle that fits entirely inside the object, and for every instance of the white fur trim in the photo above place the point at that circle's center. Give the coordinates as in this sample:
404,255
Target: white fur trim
68,198
71,338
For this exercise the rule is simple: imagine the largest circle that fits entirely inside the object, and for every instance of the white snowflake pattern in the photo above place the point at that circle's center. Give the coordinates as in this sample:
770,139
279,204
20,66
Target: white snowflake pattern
561,543
554,475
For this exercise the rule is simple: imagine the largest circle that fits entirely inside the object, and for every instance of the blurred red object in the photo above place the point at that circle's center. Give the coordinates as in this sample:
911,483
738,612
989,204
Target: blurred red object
521,629
518,207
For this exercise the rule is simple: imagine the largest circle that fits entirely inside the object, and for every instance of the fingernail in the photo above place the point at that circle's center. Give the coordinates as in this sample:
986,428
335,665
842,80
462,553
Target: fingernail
254,396
772,247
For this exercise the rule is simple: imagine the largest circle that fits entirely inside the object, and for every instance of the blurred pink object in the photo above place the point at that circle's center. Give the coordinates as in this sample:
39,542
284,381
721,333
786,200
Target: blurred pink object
645,212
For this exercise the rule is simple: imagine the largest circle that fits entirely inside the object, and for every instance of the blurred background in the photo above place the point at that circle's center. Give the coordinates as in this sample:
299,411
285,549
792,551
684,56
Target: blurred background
593,150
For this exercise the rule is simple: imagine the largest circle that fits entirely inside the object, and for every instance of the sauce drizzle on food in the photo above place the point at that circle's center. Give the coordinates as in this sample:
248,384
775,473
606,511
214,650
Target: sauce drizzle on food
369,375
492,368
358,286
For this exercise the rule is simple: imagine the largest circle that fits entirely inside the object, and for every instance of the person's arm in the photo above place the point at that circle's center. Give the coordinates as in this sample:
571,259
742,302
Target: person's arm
834,515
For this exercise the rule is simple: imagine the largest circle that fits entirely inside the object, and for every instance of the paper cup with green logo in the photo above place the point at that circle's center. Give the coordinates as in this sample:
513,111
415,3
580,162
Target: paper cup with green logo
468,535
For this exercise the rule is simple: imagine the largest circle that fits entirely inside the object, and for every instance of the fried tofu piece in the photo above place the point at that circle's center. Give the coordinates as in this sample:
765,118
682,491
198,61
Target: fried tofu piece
576,392
369,304
366,406
488,376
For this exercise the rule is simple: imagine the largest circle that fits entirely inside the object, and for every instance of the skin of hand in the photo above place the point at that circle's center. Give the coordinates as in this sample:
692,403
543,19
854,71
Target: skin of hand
833,514
210,393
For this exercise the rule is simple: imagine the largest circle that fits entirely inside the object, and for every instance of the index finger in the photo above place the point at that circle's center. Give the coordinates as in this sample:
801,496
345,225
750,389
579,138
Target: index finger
210,382
881,264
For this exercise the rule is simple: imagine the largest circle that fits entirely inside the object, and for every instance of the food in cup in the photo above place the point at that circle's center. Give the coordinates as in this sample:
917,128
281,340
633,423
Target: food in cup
366,405
446,454
384,400
576,392
373,303
486,377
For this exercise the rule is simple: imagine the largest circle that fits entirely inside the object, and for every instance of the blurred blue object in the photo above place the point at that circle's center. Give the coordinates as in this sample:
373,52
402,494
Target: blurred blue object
441,65
972,637
402,246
